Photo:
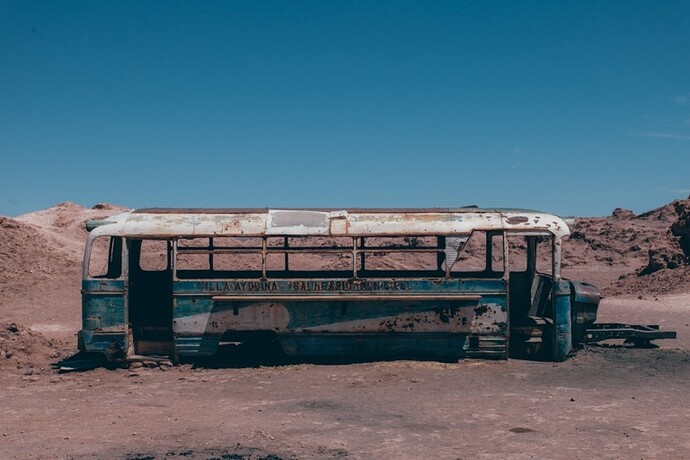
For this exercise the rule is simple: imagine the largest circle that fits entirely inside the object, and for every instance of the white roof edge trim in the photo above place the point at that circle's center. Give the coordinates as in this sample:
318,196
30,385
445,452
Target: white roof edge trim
334,223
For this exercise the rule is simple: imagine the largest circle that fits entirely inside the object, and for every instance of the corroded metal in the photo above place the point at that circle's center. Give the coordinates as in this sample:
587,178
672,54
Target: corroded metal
327,311
638,334
334,222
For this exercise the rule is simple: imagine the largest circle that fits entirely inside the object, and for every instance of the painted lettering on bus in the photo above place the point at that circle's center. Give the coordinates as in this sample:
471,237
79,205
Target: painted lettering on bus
302,286
347,286
239,286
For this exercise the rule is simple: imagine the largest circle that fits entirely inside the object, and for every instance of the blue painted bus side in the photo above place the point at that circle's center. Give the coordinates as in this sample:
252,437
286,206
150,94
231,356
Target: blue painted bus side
330,326
424,327
103,317
562,321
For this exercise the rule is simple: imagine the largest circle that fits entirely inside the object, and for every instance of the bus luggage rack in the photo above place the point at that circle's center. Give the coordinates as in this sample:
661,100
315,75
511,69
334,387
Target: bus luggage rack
635,334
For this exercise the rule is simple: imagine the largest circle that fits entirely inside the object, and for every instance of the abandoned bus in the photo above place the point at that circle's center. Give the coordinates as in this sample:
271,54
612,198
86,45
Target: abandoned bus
367,283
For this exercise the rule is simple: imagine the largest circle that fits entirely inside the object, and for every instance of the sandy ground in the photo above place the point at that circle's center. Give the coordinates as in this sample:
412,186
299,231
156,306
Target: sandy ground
606,401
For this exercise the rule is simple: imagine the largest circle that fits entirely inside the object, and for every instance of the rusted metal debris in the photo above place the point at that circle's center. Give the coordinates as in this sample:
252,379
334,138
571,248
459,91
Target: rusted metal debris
635,334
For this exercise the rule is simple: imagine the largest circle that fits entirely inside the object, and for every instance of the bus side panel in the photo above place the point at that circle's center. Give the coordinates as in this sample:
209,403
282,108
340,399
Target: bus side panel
195,333
196,316
103,317
335,327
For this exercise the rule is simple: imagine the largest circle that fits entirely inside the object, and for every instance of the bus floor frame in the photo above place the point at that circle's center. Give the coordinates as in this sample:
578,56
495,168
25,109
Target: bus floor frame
639,335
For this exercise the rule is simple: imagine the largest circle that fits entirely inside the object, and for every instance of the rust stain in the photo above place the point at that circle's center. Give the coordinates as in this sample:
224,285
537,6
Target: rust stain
517,220
480,310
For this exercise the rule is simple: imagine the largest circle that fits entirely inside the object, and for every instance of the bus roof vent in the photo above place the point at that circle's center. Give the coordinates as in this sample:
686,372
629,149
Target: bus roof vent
294,222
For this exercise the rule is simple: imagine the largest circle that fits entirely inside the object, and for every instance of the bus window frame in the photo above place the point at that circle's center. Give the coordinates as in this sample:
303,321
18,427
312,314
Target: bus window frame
168,254
554,247
88,251
355,251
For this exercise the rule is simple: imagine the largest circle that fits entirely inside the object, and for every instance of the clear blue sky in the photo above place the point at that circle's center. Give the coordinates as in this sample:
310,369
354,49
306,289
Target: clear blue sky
574,107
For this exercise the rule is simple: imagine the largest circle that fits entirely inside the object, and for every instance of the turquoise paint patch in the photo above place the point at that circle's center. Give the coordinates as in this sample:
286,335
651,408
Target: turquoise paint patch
101,342
103,285
188,306
102,311
562,338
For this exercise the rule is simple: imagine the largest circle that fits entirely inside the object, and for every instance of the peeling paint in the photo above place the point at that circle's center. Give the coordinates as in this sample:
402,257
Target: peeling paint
472,311
515,220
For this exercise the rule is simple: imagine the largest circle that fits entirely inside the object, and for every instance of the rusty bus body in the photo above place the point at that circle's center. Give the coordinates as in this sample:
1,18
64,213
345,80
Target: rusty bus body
367,283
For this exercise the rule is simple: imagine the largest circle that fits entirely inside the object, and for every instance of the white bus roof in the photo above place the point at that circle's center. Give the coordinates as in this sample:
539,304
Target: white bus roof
170,223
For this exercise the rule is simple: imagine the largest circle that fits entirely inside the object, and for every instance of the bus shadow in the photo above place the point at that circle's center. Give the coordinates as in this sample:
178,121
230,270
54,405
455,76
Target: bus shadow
627,344
239,356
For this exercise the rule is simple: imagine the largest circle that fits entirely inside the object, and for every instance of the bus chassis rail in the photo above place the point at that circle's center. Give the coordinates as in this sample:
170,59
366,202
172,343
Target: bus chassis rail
638,335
